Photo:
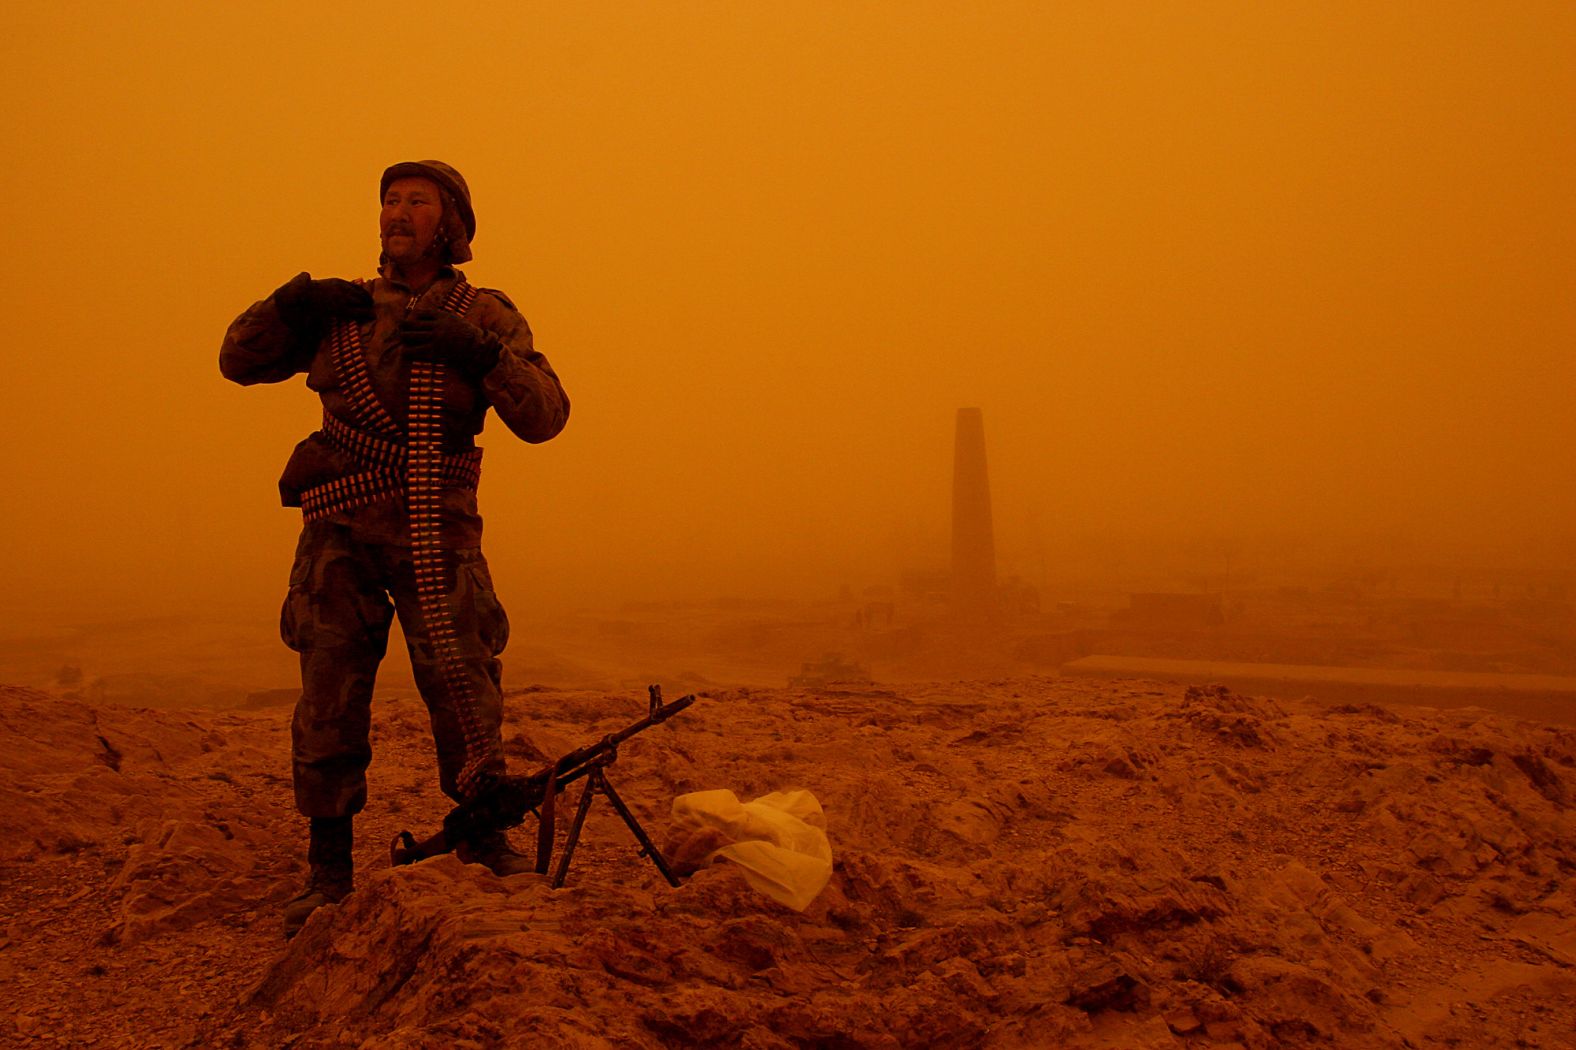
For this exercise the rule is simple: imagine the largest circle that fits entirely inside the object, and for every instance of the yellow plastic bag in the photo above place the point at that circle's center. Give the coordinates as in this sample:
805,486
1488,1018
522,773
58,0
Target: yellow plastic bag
778,840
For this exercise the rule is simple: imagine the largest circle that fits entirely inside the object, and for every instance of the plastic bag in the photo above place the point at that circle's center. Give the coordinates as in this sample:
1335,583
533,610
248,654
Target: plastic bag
778,840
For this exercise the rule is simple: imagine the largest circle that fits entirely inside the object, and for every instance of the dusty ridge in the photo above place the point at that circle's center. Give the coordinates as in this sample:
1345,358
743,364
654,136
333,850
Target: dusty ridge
1542,697
1020,863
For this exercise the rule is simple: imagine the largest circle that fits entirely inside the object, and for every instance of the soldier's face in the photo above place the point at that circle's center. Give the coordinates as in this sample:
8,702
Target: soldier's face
412,208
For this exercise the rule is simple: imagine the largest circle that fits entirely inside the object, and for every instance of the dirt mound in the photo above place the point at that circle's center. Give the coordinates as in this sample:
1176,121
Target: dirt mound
77,775
1018,863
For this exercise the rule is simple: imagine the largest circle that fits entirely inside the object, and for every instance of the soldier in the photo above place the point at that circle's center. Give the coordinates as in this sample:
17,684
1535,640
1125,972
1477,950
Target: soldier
406,365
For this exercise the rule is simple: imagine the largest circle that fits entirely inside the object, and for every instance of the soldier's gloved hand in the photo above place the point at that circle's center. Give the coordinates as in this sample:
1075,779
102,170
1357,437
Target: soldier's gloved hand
307,305
439,335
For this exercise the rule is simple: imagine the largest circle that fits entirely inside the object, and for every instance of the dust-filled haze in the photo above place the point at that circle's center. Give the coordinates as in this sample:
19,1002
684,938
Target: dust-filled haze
1291,277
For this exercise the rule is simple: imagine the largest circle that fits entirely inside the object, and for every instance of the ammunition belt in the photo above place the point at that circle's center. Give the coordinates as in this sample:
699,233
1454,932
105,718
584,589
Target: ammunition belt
384,476
411,461
463,469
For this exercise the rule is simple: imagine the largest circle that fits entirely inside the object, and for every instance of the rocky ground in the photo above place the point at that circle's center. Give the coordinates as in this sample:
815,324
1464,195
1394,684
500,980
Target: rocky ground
1027,862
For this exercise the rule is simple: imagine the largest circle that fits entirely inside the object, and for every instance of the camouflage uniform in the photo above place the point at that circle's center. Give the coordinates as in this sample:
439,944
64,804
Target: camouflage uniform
349,565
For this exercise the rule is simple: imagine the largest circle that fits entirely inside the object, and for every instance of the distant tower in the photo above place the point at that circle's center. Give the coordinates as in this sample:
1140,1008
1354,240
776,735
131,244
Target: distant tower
973,541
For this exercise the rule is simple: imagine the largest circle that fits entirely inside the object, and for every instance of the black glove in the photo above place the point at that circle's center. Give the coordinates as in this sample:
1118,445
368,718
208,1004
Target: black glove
307,305
439,335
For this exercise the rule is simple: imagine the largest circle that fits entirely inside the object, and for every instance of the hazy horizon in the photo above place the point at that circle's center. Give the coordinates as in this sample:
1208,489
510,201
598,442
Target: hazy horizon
1292,281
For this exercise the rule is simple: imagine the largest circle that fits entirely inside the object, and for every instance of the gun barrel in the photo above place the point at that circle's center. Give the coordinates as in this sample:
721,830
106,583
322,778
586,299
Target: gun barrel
660,712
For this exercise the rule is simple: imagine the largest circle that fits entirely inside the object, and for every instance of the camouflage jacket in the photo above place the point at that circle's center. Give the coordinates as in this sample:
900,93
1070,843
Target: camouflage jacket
523,389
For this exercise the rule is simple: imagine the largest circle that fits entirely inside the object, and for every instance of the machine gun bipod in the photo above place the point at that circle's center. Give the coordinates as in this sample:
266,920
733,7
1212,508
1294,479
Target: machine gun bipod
506,800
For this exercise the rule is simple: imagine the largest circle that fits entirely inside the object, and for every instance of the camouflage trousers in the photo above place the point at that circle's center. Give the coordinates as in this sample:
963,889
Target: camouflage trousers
343,597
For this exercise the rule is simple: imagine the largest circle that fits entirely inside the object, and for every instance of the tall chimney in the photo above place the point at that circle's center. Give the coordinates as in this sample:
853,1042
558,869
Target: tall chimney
973,541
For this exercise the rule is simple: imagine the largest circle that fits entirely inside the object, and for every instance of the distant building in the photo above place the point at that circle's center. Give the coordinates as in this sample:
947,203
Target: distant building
973,538
1166,609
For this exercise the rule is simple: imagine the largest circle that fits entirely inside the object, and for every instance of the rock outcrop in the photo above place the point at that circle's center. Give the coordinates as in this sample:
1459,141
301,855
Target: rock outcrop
1022,863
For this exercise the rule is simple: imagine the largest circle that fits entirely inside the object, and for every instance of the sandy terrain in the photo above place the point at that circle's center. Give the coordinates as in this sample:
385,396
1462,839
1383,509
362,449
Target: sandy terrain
1020,862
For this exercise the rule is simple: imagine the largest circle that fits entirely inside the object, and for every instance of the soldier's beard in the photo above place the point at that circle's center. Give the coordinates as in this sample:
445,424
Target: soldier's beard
437,248
437,251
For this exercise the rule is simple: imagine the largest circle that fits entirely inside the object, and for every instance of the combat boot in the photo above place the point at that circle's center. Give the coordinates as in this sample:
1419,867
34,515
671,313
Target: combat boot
493,852
332,871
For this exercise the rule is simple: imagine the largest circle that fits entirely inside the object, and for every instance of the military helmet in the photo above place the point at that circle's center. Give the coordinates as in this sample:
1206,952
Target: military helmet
451,181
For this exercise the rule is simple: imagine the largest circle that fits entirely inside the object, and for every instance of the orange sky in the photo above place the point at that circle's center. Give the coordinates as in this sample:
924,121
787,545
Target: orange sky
1290,271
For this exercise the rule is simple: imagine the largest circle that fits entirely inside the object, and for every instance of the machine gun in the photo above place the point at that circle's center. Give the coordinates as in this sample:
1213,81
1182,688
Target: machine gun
506,799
